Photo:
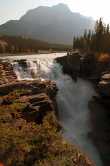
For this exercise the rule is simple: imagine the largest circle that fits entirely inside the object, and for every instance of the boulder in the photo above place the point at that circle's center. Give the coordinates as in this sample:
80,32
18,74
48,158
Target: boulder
38,106
104,85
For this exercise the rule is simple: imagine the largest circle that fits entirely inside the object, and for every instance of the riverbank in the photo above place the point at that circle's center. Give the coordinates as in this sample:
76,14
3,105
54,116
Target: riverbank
29,130
93,69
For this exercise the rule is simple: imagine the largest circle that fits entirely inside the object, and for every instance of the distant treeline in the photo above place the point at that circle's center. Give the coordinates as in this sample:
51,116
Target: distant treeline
17,44
97,40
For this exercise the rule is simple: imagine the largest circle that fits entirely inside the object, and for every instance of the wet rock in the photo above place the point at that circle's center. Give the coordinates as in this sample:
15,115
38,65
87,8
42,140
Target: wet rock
70,64
22,63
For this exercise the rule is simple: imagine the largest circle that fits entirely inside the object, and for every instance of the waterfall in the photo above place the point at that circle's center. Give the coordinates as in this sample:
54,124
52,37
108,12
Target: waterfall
72,98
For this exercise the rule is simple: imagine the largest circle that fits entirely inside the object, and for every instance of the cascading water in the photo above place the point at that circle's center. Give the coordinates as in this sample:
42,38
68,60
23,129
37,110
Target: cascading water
72,98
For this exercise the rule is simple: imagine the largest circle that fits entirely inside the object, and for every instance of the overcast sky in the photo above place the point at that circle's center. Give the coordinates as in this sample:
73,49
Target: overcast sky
14,9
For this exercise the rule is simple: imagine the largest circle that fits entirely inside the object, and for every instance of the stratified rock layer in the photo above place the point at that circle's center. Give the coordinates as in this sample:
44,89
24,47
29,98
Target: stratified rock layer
7,74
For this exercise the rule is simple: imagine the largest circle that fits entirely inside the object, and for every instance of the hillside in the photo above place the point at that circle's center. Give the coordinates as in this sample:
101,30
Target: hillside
55,24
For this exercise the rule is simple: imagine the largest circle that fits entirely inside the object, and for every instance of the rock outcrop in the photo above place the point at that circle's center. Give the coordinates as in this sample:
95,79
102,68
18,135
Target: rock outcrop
38,97
7,74
70,64
85,65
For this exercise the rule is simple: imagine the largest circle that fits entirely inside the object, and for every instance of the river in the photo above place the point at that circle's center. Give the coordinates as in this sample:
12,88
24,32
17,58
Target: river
72,97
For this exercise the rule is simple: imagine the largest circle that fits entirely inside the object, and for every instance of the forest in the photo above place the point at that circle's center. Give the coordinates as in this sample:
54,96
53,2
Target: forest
97,40
20,44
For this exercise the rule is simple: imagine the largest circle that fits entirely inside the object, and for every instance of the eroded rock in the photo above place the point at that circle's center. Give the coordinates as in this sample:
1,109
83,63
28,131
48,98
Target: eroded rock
6,73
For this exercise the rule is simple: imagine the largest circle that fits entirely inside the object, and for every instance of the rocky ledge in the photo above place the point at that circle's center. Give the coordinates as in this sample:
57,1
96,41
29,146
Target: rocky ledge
6,73
37,96
29,130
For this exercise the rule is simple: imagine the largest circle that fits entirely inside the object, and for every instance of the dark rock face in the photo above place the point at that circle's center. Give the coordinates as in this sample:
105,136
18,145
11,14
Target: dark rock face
100,123
84,65
88,67
70,64
99,111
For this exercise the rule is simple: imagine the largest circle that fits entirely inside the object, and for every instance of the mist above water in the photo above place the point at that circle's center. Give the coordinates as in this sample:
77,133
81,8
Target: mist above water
72,98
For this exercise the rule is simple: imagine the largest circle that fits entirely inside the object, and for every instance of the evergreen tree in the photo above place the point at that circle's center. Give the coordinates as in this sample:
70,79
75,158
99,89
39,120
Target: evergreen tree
97,40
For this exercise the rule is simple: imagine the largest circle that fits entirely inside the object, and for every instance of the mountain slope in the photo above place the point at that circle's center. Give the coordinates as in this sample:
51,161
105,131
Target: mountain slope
55,24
